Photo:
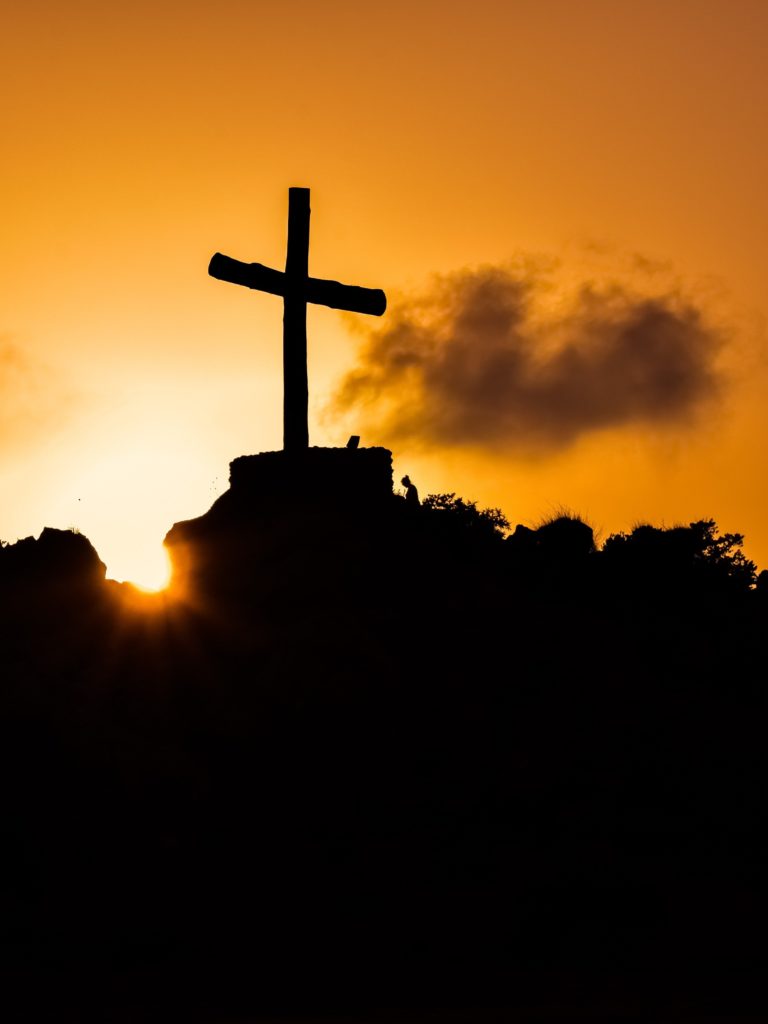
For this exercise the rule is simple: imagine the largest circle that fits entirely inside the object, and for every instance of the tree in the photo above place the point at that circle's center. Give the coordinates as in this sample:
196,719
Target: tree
692,556
723,555
449,512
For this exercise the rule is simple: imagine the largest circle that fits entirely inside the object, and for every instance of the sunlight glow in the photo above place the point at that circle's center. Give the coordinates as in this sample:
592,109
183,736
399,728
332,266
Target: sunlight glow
150,570
125,494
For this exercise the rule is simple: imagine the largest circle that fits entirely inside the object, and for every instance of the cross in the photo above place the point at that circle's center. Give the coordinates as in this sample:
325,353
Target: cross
297,288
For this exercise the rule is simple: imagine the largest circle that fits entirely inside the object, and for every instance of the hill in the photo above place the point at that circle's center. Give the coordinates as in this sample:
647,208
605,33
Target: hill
371,754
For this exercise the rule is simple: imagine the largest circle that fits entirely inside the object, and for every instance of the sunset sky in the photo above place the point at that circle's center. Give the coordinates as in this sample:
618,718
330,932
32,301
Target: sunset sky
540,186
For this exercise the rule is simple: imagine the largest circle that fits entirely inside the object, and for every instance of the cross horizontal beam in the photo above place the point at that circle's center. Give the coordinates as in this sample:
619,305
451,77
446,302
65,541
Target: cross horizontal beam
315,290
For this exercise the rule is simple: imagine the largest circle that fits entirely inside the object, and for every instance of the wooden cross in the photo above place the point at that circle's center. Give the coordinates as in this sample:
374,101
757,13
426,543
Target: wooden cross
297,289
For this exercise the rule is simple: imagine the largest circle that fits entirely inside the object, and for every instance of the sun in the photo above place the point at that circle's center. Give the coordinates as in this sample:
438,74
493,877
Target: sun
149,570
125,496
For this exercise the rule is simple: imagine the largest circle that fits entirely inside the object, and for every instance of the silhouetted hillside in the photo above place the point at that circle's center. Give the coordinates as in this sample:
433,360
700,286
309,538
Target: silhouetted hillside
368,754
55,557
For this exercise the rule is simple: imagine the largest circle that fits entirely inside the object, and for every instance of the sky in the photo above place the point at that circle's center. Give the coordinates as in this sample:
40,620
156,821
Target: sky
562,200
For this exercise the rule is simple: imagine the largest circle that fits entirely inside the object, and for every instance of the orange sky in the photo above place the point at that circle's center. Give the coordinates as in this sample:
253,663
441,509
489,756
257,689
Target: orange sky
138,139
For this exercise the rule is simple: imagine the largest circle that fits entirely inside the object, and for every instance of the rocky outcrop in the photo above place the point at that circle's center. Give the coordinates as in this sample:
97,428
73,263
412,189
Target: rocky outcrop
280,507
59,557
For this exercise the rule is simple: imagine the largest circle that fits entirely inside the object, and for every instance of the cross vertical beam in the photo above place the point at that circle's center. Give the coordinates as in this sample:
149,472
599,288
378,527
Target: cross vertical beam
297,288
295,384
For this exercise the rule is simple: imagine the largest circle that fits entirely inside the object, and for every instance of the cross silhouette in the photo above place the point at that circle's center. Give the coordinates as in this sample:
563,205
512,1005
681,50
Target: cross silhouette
297,289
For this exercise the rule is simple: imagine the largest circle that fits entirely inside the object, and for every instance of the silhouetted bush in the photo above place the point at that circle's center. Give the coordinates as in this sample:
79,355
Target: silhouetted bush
565,537
453,514
693,558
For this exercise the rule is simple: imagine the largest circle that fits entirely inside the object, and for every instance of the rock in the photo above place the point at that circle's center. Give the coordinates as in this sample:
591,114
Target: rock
56,557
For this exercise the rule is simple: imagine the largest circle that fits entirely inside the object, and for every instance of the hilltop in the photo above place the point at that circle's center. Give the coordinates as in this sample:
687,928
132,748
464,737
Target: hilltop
389,750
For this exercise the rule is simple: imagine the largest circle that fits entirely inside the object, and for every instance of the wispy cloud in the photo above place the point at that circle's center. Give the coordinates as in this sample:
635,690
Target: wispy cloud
33,398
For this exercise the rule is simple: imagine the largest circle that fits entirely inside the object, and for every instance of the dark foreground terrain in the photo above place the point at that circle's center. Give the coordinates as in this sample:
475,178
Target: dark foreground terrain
367,756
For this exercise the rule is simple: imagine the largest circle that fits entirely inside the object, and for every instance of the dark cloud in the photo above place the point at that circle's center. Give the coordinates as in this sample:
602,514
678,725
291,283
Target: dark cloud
494,358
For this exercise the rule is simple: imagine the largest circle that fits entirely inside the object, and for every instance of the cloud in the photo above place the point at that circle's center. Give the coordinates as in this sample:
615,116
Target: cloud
497,358
32,397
